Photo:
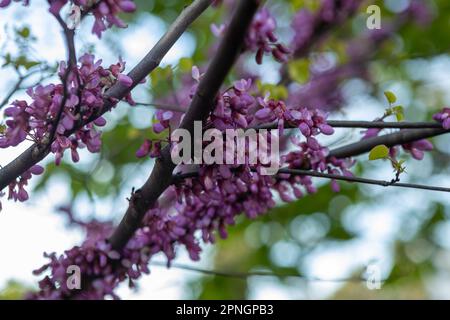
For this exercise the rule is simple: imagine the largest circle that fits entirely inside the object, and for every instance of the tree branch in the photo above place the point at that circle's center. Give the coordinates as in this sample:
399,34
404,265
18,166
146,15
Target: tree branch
246,275
333,123
382,183
389,140
201,106
358,148
36,152
366,124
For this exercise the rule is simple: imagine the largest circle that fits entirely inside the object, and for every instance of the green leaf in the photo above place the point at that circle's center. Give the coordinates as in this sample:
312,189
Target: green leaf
379,152
276,92
185,64
24,32
161,80
24,62
399,113
299,70
7,58
390,96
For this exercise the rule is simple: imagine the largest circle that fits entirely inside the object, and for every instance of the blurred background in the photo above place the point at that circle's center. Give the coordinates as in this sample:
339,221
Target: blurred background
323,246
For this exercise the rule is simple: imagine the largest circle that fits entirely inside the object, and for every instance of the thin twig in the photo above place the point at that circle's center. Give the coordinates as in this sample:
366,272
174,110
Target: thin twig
177,178
246,275
333,123
162,106
18,85
382,183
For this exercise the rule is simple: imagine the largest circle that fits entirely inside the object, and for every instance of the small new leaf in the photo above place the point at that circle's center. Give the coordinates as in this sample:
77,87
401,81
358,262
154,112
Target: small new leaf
390,96
379,152
398,110
24,32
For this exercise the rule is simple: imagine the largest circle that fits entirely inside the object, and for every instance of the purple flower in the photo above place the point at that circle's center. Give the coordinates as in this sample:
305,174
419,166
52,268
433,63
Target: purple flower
16,188
105,12
443,117
261,37
303,26
307,25
5,3
417,148
125,80
144,149
370,133
163,117
36,119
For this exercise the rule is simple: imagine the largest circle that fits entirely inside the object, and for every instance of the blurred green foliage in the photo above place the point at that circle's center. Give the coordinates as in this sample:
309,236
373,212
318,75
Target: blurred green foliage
251,243
13,290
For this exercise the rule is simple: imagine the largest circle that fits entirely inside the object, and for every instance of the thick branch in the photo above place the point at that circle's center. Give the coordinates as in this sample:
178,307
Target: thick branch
358,148
389,140
245,275
37,152
201,106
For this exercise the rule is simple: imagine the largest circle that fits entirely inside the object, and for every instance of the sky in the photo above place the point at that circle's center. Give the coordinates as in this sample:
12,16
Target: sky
29,229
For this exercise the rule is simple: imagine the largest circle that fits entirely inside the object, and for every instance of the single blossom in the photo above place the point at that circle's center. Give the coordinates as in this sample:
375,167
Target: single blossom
418,148
443,117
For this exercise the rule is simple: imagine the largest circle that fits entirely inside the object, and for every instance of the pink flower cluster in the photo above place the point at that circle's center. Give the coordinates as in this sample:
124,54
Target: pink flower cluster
85,86
309,154
312,155
103,269
149,148
232,107
16,189
105,11
310,122
261,37
231,112
417,148
207,203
